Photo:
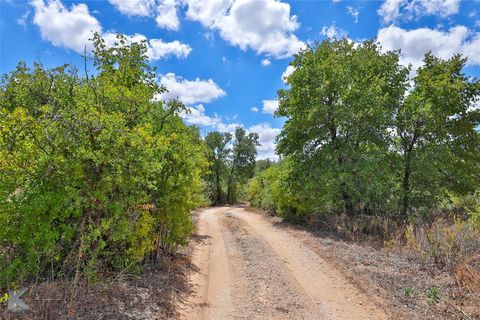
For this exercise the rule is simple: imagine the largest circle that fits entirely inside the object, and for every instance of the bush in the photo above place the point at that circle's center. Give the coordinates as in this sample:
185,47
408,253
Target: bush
95,173
446,244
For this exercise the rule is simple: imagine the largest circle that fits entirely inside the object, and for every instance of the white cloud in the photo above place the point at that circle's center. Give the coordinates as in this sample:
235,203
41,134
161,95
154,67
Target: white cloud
167,16
266,134
159,49
208,13
392,10
287,73
333,32
73,28
197,116
65,28
353,12
190,91
265,26
156,48
254,109
266,137
266,62
164,10
142,8
270,106
415,43
474,107
230,127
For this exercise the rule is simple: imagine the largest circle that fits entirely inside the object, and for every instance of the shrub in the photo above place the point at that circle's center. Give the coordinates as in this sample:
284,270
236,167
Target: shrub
95,174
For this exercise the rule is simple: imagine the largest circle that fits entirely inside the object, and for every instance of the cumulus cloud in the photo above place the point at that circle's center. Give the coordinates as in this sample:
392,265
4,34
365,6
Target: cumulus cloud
159,49
270,106
228,127
65,28
392,10
266,134
164,10
72,29
267,138
196,116
142,8
254,109
190,91
265,26
156,48
208,13
444,44
167,16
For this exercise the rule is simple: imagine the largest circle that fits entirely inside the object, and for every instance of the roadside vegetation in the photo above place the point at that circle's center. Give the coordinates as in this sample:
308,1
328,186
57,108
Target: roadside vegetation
97,176
98,179
374,150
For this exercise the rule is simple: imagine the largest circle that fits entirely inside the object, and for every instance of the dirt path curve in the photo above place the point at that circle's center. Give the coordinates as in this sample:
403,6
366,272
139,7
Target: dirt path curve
249,269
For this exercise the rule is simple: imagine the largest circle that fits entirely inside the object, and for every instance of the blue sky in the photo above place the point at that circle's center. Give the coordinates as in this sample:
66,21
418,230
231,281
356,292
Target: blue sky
225,58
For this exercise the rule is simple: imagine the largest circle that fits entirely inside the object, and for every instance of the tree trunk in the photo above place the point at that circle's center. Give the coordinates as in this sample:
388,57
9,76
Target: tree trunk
406,187
218,197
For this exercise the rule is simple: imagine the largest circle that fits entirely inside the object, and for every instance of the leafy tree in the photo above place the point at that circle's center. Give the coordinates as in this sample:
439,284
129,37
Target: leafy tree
242,165
339,109
232,163
263,164
438,139
217,144
359,138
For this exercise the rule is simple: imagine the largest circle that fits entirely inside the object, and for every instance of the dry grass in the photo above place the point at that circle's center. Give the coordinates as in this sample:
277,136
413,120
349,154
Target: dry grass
422,270
152,295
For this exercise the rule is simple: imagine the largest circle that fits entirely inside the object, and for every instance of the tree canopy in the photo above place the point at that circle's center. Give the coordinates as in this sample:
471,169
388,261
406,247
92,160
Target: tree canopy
362,137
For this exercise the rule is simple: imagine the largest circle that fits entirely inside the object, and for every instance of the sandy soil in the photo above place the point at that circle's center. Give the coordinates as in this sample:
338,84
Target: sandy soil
249,269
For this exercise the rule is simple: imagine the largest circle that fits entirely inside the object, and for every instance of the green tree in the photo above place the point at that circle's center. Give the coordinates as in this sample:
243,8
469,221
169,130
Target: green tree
339,109
438,139
218,146
242,166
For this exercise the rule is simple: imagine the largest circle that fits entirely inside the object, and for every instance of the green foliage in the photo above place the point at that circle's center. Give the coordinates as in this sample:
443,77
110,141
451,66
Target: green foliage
242,165
272,190
437,138
411,292
95,174
339,109
433,295
360,138
232,164
218,151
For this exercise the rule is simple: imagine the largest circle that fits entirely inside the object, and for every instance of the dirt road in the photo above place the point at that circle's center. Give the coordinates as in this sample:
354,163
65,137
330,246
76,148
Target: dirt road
250,269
